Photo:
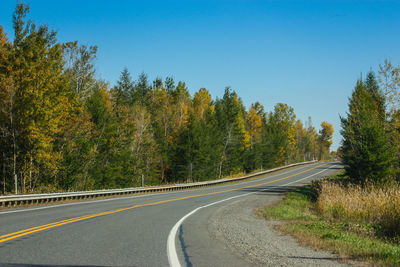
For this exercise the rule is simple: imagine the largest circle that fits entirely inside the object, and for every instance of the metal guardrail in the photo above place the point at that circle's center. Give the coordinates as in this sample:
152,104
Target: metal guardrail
35,199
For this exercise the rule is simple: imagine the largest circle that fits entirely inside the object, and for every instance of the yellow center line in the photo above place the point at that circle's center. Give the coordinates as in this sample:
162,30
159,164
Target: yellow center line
7,237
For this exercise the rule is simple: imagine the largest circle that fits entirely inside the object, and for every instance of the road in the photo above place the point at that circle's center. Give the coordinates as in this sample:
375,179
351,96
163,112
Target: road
144,230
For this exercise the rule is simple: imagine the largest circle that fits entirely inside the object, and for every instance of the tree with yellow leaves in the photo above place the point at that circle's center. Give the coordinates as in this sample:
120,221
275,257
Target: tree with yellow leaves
201,103
254,124
325,139
42,99
8,148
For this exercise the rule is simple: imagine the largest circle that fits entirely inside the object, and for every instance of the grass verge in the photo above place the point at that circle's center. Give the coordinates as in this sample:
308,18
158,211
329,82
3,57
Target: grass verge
348,239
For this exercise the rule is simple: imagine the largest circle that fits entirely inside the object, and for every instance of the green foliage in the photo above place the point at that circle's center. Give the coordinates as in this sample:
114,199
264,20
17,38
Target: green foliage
124,92
63,129
280,135
40,101
366,150
389,80
325,139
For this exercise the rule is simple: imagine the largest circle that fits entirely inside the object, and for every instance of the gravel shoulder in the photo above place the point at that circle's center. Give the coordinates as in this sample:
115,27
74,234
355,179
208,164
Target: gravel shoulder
253,239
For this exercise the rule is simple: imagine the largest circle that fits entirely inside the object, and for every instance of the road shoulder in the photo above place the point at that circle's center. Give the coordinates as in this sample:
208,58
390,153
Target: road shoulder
238,227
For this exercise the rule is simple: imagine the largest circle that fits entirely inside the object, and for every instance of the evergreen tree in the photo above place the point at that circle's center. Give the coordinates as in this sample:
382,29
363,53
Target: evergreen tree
124,92
365,144
230,114
142,88
169,84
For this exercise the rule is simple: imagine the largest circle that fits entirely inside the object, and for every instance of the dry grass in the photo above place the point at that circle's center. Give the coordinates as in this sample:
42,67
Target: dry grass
378,206
349,238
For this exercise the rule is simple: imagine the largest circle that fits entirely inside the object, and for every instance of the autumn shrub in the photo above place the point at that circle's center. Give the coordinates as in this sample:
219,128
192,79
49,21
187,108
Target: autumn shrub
375,205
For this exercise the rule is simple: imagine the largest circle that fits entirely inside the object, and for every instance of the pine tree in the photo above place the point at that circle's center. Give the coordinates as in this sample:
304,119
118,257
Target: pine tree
123,92
365,144
142,88
169,85
230,114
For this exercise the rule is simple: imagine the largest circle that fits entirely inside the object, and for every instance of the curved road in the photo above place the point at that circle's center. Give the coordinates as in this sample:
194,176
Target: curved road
141,230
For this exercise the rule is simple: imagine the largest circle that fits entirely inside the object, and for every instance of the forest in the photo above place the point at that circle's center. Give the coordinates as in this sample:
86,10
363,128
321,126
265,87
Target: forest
63,129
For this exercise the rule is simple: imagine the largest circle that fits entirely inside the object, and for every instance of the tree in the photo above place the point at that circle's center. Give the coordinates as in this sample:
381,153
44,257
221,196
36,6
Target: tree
124,92
78,149
161,109
42,99
230,114
182,102
79,68
301,141
389,79
111,167
142,88
75,141
311,139
169,85
201,102
365,144
255,119
198,148
281,134
142,146
254,124
325,139
7,121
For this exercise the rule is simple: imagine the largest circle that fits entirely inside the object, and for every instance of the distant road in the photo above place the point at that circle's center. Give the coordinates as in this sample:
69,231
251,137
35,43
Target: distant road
144,230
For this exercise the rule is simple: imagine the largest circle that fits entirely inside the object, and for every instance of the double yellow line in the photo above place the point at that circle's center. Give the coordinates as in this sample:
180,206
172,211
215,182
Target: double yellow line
7,237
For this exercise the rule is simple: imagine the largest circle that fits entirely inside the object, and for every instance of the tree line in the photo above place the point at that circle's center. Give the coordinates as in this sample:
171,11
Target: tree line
63,129
371,129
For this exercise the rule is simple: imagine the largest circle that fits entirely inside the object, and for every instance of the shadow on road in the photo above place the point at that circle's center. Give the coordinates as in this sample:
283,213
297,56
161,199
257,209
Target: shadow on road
270,189
337,166
335,259
274,189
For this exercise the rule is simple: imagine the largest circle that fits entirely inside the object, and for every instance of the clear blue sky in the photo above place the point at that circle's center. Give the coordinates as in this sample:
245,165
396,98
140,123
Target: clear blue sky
307,54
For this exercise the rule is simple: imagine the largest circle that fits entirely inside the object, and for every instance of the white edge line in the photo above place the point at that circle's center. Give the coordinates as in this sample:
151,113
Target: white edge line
171,248
129,197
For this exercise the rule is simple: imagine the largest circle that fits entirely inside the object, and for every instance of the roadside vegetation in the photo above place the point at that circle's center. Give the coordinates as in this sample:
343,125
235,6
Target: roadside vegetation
356,214
354,222
378,207
63,129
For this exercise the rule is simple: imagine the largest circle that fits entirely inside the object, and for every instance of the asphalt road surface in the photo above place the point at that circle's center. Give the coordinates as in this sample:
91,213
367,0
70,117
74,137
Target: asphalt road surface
148,230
